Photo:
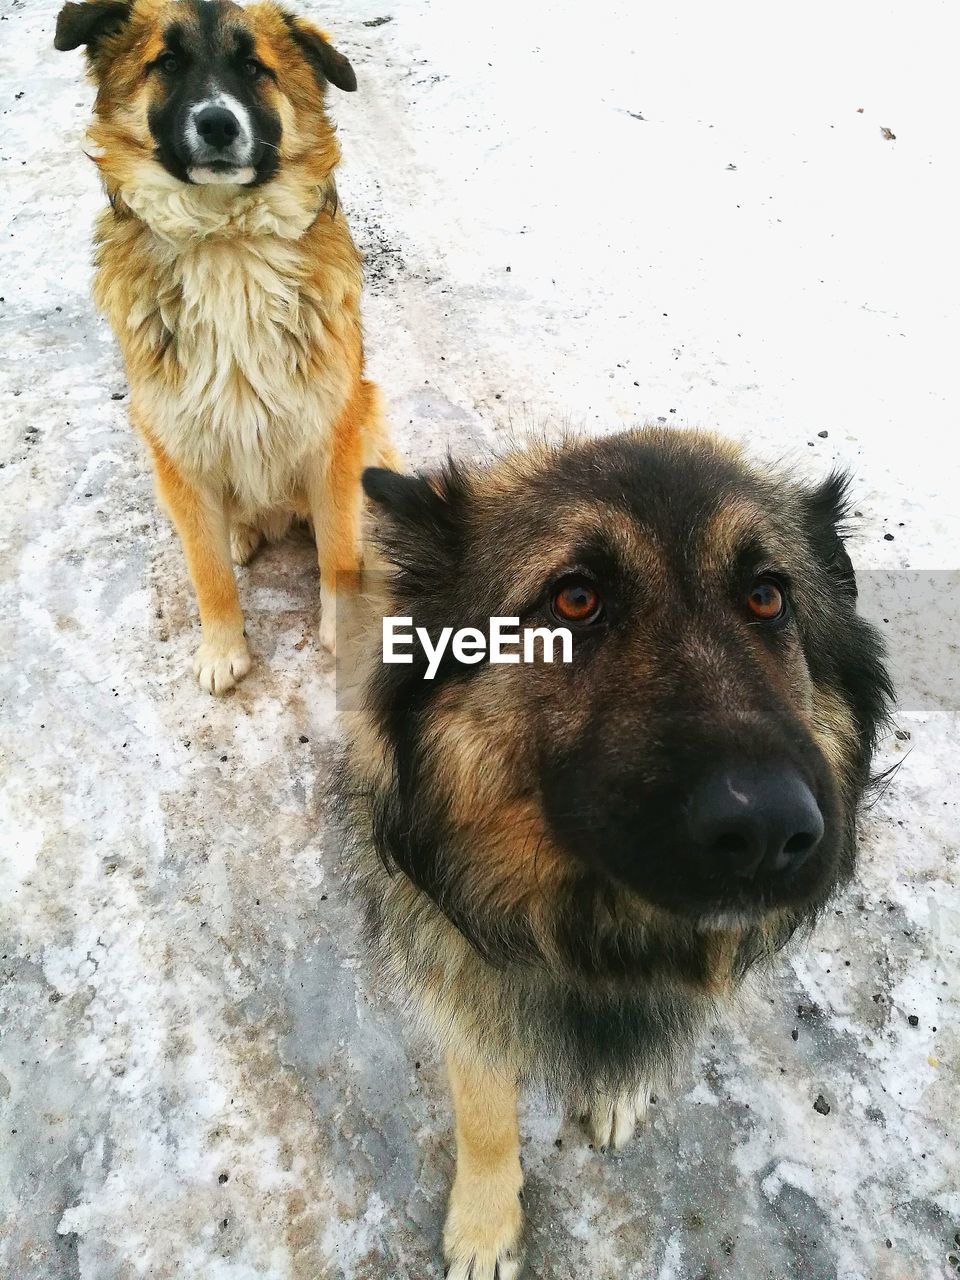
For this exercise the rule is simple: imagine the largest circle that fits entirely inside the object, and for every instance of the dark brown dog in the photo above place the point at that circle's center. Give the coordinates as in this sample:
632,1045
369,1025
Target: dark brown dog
567,864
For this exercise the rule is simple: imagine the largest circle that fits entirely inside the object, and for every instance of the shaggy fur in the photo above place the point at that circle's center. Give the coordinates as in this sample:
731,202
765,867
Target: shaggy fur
523,843
235,302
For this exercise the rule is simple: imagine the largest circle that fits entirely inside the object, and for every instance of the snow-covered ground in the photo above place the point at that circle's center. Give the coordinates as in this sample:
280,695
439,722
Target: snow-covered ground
599,214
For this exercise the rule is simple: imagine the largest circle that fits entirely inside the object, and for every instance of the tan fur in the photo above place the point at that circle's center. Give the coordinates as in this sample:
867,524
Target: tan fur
722,532
834,730
481,1237
201,522
237,311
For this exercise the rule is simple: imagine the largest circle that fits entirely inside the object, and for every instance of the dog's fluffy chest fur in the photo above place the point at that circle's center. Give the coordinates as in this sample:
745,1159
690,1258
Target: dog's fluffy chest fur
240,350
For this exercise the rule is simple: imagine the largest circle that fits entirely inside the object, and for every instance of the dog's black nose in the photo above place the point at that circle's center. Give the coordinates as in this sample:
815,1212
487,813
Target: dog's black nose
217,126
753,822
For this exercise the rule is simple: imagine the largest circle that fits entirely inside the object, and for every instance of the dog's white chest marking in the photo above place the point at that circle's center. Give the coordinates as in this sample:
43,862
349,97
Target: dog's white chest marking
257,384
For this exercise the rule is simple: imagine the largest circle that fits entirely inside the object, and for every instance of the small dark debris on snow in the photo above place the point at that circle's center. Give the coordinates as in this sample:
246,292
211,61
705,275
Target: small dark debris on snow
636,115
823,434
888,133
913,1020
821,1106
304,738
731,168
859,111
378,22
888,537
902,735
223,1178
795,1034
118,395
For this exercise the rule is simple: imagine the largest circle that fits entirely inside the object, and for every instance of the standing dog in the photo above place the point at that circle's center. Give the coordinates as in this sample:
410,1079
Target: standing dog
228,273
567,865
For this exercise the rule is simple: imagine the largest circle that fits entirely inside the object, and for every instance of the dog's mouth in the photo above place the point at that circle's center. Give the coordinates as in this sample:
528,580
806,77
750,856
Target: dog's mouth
221,173
718,904
672,880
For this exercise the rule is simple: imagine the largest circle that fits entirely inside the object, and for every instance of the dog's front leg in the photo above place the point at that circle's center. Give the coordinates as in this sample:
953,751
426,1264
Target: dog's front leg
335,499
204,528
482,1236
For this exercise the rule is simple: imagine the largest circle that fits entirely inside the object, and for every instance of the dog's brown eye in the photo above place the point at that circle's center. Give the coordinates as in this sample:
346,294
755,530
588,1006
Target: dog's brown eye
766,600
577,601
168,63
252,68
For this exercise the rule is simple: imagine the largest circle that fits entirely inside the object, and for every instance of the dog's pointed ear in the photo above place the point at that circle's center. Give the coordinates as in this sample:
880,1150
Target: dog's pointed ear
89,23
422,518
404,499
851,657
830,500
827,507
327,63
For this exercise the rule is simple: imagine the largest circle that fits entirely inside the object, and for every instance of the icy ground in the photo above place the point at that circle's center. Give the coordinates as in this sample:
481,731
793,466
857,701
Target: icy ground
604,213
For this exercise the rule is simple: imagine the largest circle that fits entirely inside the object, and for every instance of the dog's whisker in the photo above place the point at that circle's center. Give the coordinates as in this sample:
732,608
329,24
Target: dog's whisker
886,777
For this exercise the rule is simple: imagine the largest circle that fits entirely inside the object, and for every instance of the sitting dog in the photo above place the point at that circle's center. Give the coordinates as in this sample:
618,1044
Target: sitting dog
229,276
567,864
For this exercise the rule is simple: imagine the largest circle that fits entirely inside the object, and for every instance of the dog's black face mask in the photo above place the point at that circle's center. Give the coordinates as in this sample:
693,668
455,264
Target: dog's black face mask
708,744
210,119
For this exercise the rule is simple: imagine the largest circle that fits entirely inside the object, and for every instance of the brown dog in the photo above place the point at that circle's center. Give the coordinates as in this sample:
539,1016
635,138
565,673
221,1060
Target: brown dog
228,273
566,863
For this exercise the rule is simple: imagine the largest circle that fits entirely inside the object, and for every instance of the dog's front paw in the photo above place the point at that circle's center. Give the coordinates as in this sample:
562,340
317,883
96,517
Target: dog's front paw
482,1238
219,665
612,1118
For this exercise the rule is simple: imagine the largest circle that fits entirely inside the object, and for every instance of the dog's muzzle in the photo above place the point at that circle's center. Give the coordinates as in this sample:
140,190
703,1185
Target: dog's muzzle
219,142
